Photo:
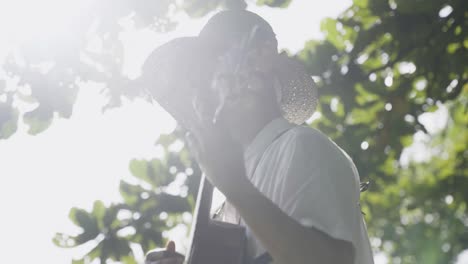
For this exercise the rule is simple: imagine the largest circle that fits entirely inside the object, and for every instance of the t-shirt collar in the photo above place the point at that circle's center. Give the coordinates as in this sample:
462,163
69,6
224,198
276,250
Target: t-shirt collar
266,135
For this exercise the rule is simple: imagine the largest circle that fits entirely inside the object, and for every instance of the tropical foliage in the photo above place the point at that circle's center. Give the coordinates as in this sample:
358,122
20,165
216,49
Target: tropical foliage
392,75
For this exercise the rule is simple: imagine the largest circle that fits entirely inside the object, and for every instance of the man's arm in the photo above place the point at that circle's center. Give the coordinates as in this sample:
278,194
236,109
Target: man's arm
284,238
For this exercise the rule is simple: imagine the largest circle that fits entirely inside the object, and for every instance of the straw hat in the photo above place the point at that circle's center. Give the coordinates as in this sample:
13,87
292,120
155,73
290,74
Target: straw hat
173,70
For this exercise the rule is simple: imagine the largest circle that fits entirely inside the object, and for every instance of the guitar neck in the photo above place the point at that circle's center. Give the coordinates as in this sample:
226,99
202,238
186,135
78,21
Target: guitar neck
201,217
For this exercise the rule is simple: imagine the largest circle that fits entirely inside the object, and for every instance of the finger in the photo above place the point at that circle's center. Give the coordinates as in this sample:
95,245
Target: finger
170,247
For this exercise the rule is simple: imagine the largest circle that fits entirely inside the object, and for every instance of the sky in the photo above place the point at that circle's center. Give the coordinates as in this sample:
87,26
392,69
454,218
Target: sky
82,159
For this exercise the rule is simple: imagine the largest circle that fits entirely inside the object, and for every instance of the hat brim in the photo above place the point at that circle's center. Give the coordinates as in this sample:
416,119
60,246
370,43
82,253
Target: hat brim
189,59
169,74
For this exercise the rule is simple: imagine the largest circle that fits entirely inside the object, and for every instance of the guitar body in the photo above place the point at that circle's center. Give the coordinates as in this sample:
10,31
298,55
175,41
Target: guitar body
214,242
222,243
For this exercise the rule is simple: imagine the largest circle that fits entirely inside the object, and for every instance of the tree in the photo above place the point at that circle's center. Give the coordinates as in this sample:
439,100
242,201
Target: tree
56,62
382,66
164,189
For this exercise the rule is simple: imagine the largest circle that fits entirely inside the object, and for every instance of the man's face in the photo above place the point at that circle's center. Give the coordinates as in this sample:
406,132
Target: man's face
234,106
222,103
236,87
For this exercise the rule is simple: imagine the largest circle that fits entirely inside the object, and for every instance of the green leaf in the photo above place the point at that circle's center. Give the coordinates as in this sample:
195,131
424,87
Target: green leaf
406,141
329,27
8,120
64,240
82,218
128,260
130,193
365,115
139,168
99,209
361,3
274,3
110,218
453,47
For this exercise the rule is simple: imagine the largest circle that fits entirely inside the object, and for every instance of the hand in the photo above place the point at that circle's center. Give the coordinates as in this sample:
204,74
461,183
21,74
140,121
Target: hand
219,156
167,256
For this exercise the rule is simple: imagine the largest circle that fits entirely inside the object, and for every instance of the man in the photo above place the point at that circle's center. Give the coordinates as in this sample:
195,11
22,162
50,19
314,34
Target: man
294,189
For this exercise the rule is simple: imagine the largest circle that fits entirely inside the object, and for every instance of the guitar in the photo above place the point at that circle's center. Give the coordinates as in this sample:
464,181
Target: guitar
214,241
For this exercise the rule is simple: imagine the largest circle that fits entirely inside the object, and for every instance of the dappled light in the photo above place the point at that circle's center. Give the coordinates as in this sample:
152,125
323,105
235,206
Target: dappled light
95,168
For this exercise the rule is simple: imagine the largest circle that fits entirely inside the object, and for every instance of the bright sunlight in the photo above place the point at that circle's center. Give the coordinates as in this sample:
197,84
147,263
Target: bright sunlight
75,160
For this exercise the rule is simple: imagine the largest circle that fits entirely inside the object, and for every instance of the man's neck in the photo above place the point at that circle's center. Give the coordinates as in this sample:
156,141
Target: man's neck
252,126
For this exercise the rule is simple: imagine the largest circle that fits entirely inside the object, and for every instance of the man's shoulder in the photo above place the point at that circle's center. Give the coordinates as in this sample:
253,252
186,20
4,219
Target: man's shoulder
302,134
307,142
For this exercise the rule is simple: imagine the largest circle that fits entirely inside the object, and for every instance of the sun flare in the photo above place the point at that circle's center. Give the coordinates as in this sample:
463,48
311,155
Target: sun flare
23,20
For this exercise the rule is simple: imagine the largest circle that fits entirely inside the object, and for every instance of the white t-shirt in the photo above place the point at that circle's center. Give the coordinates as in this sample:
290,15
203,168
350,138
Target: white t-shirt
311,179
